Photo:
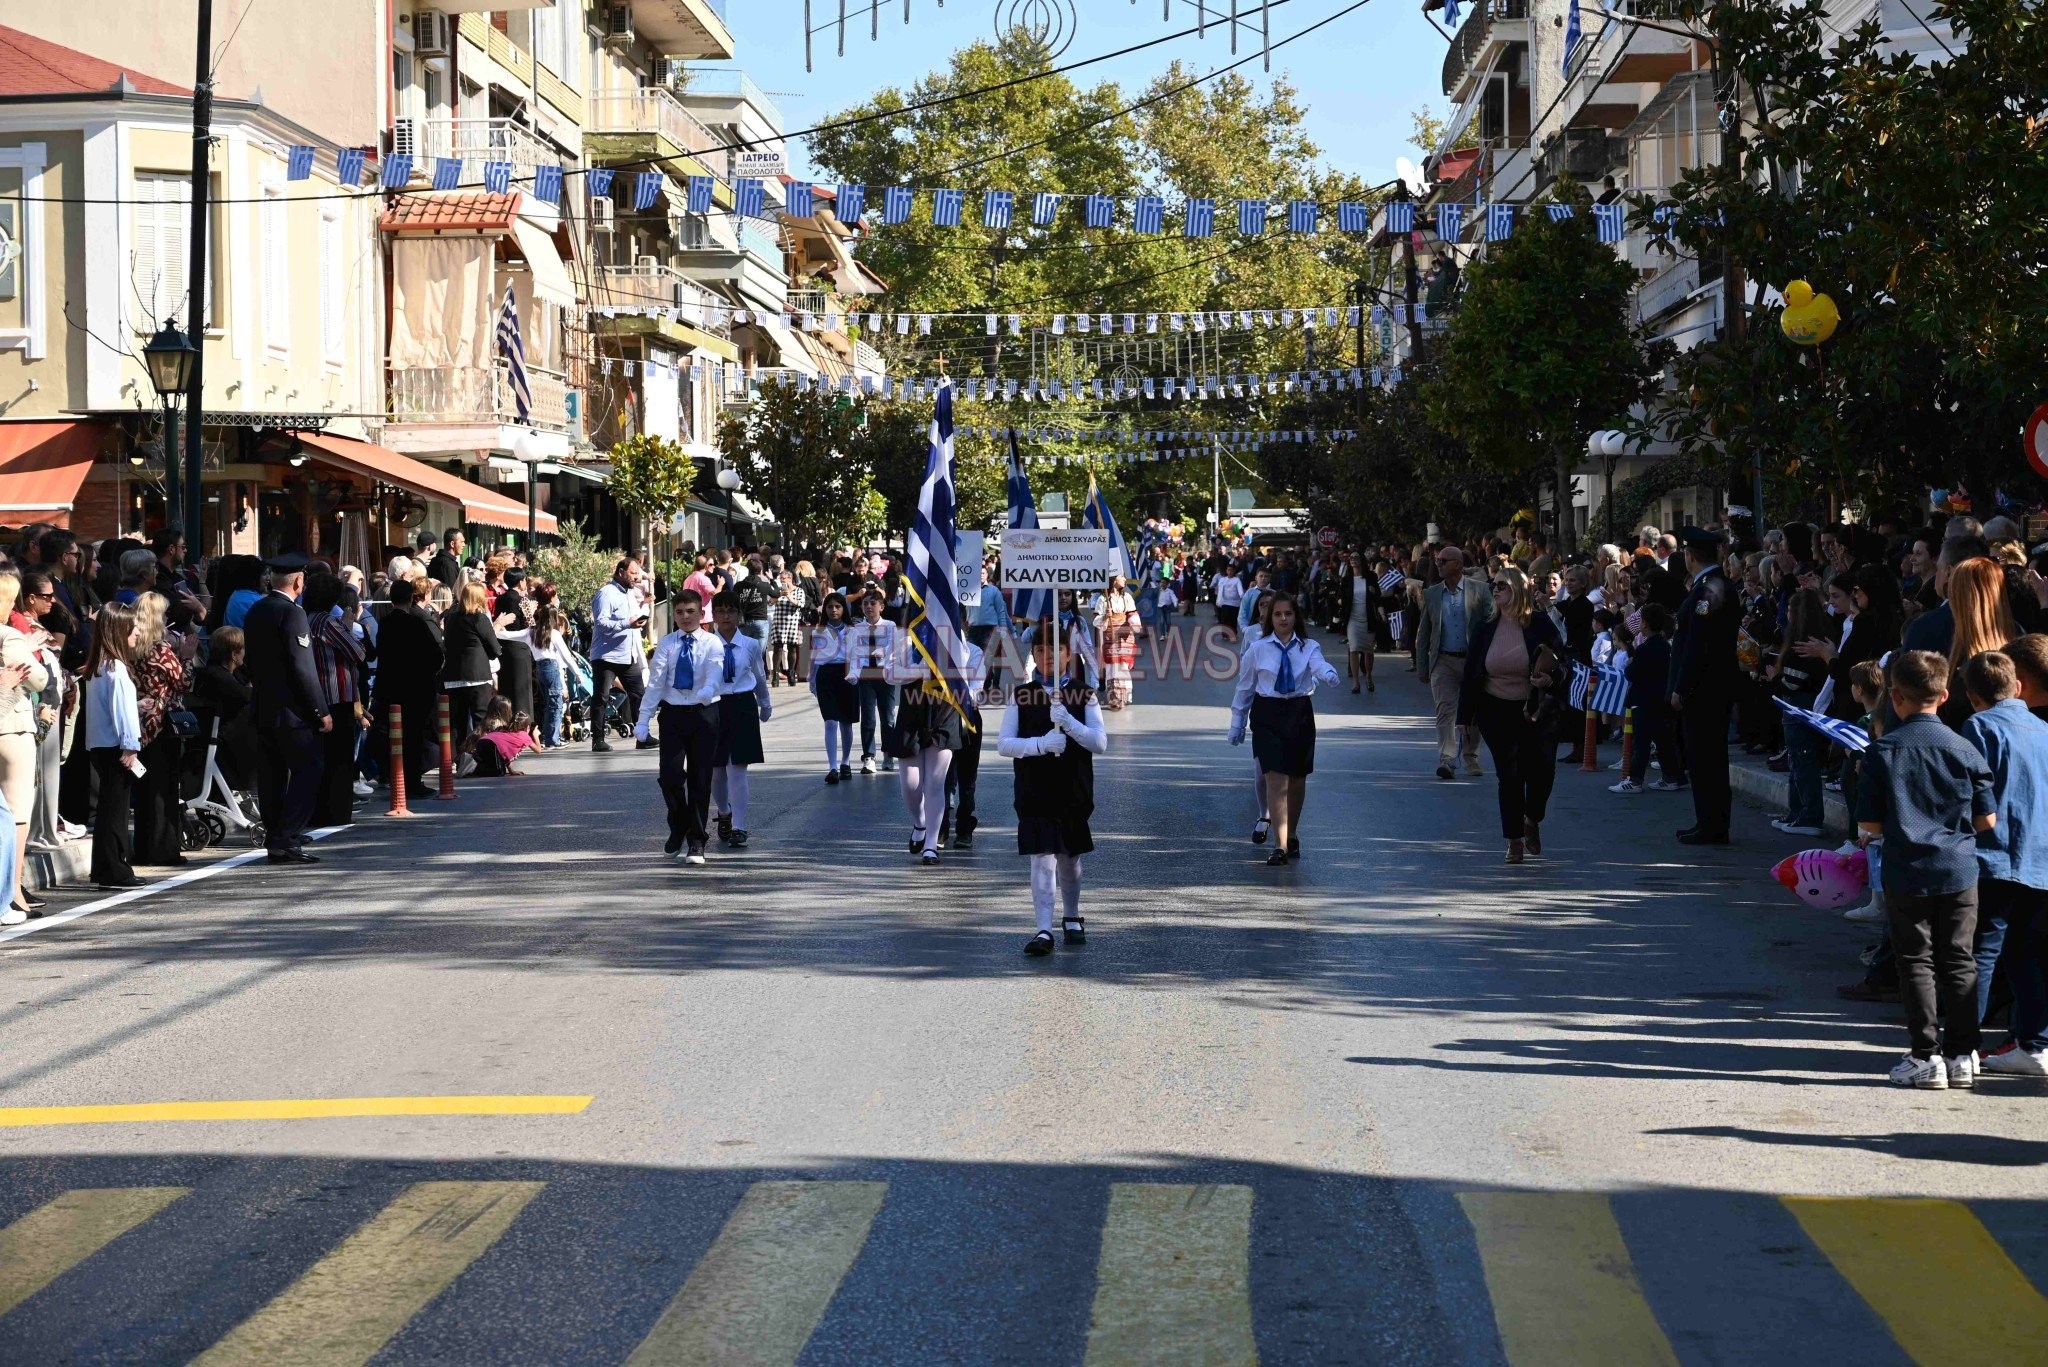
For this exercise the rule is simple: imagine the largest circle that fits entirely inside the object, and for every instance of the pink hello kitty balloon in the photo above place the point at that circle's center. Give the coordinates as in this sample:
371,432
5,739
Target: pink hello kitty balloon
1827,879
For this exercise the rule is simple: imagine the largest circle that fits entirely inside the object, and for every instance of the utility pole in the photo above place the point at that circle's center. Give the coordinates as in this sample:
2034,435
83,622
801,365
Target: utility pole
1359,300
195,277
1414,279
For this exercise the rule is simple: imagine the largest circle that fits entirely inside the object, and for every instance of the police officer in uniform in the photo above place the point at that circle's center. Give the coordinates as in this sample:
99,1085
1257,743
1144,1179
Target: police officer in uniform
1703,674
289,713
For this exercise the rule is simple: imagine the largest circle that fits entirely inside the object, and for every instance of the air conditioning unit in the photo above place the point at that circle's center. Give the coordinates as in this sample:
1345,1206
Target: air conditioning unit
405,138
603,213
433,33
618,25
670,73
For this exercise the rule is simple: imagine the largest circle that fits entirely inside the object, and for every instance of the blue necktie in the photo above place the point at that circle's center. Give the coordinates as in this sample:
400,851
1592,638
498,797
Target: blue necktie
1283,679
732,648
685,680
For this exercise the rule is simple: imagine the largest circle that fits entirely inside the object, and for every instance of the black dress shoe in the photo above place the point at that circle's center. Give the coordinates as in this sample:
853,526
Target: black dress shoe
118,885
1444,771
1693,829
672,845
1703,837
600,748
1277,857
293,857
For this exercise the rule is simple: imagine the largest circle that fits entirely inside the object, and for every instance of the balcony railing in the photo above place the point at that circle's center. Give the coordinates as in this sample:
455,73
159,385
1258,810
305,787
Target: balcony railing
731,80
763,242
654,110
477,396
819,302
483,140
1473,33
661,286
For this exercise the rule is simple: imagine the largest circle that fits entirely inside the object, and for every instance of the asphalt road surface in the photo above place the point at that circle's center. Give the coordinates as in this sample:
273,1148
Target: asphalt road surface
509,1086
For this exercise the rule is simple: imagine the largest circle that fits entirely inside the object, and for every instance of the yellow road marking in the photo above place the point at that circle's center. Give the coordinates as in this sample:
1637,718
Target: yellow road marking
1174,1280
312,1108
1563,1286
764,1284
54,1238
350,1303
1934,1274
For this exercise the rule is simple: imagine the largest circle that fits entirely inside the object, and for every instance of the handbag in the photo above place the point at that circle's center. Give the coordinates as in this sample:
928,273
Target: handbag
186,724
1543,704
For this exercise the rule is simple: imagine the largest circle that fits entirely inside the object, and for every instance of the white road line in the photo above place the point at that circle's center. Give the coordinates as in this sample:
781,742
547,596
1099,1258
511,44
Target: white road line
121,899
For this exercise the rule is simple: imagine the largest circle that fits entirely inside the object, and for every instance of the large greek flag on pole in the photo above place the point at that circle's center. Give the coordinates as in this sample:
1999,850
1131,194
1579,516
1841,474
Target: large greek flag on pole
1834,728
940,635
1029,604
1097,515
513,348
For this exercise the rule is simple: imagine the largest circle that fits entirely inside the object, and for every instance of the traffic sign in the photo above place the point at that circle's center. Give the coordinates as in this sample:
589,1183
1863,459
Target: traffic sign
1327,538
2036,441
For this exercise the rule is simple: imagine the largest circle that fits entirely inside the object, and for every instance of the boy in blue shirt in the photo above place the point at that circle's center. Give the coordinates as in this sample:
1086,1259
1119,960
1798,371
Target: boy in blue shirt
1927,791
2012,860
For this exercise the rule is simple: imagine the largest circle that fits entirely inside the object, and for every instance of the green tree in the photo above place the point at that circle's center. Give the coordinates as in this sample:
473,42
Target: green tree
798,450
650,479
578,567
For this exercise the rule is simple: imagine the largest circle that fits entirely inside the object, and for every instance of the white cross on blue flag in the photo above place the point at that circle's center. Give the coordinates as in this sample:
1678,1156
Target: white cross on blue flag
996,208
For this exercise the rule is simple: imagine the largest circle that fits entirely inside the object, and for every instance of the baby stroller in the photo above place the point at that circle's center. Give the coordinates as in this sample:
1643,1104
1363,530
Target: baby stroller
579,716
213,806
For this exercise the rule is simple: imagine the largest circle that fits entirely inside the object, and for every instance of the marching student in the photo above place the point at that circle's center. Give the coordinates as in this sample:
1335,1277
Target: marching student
682,689
871,647
929,728
838,698
963,776
1262,625
744,702
1279,673
1053,734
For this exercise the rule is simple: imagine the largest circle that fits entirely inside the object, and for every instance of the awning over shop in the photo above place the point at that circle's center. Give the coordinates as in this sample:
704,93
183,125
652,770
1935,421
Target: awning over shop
478,504
793,354
550,277
42,464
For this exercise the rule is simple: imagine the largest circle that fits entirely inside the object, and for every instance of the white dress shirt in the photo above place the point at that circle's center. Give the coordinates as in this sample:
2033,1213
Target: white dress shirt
749,670
871,649
1260,672
828,646
707,657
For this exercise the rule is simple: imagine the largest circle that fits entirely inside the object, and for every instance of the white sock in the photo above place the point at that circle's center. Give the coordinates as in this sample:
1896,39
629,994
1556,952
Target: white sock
718,791
737,786
1043,877
934,762
1070,883
832,750
910,781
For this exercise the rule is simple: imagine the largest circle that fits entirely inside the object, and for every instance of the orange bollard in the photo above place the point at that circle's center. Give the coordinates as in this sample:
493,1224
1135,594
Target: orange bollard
447,750
1628,742
397,771
1589,757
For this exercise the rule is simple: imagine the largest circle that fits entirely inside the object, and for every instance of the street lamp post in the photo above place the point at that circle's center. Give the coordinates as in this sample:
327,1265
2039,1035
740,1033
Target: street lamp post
171,359
526,449
729,481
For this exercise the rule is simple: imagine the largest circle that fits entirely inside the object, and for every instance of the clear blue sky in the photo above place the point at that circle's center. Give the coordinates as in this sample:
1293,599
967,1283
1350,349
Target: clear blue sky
1359,78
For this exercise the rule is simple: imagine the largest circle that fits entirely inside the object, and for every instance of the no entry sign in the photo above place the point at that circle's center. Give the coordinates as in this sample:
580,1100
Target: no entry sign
2036,441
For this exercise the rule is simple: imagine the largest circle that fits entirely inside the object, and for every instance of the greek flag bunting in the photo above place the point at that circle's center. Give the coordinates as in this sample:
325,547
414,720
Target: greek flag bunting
513,349
397,171
1450,221
1029,604
1251,217
646,189
599,181
936,625
1201,218
996,208
1044,205
798,199
697,194
1834,728
749,197
1400,216
498,177
1101,210
447,172
1353,218
1148,214
547,184
852,203
946,205
1610,221
1301,216
348,166
1559,212
298,163
896,202
1500,222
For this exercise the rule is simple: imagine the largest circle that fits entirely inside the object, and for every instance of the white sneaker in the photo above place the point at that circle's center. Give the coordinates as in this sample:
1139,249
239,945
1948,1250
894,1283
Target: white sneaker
1617,765
1658,785
1928,1074
364,788
1627,785
1962,1070
1789,829
889,764
2016,1062
1873,910
694,857
71,830
867,764
13,916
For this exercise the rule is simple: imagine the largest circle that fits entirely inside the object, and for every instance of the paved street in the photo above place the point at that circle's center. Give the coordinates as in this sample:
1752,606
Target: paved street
1398,1103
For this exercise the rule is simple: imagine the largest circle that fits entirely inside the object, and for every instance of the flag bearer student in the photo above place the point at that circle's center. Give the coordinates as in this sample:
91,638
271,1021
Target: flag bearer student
1052,729
929,728
682,689
1274,682
963,776
744,702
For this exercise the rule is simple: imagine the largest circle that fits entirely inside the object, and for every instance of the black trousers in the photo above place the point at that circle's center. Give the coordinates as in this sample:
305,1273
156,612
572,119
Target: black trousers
1524,761
963,777
112,850
159,809
1656,726
1703,722
336,805
602,672
1934,938
689,735
466,706
288,784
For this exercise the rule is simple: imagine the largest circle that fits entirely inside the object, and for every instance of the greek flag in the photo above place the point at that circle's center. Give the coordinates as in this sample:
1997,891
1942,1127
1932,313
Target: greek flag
1450,221
547,184
514,351
750,196
599,181
1353,217
896,201
646,189
298,163
937,624
1500,222
1451,12
1044,205
1148,215
852,203
996,208
946,205
1559,212
397,171
1302,216
348,166
1251,217
1834,728
1201,217
447,172
1610,221
1572,30
799,199
1101,210
697,194
1391,581
1605,686
498,177
1400,217
1097,515
1029,604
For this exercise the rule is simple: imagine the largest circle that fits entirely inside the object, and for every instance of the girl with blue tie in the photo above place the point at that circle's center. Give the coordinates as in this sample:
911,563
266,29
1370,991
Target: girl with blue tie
1274,683
744,702
832,685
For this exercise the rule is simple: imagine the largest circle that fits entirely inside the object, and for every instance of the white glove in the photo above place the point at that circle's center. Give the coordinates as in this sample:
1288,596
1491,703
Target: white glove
1237,734
1061,718
1053,743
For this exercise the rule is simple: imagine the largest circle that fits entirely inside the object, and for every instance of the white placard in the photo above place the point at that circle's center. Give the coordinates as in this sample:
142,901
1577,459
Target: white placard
1047,558
765,165
968,550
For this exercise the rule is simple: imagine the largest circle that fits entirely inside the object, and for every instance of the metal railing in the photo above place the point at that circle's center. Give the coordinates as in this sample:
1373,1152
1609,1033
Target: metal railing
1471,38
661,286
474,395
654,110
814,301
484,140
762,241
731,80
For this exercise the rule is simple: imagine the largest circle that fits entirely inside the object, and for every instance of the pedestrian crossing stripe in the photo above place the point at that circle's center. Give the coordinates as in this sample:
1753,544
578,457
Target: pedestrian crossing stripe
1173,1282
1933,1274
54,1238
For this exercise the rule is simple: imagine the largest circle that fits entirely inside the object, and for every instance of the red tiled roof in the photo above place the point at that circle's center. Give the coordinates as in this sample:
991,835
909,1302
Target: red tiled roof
461,211
35,66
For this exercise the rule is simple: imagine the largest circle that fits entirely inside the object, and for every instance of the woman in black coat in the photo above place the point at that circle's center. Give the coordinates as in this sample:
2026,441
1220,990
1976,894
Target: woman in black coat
409,677
469,643
1513,679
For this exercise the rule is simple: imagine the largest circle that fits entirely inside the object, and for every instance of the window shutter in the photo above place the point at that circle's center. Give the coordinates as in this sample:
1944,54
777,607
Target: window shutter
145,288
276,280
332,339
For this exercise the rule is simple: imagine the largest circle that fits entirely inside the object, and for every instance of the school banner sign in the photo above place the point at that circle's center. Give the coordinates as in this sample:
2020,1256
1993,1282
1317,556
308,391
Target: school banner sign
1056,558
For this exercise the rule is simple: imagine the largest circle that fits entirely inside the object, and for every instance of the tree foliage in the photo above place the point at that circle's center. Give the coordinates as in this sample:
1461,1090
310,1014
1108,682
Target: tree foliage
577,568
651,477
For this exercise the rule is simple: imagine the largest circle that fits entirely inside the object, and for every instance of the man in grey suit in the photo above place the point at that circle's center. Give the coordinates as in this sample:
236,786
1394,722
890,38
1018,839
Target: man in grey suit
1453,610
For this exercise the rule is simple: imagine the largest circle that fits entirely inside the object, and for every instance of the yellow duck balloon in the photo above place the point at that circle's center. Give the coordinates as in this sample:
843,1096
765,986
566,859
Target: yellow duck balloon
1809,318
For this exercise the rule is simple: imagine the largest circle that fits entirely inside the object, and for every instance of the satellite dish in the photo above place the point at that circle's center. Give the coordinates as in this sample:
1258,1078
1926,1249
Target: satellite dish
1410,175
